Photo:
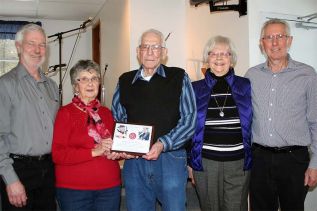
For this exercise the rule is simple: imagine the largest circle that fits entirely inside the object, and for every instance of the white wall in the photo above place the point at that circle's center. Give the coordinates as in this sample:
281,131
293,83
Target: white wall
114,43
167,16
304,41
122,23
190,28
201,25
258,8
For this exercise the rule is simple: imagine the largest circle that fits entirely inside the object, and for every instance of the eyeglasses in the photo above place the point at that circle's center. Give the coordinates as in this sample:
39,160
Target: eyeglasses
154,48
85,80
277,37
221,54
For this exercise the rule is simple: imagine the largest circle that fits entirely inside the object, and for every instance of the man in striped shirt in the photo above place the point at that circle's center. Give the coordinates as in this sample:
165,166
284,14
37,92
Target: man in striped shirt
163,97
284,99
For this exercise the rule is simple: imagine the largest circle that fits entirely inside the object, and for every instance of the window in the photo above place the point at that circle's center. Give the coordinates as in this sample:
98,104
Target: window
8,55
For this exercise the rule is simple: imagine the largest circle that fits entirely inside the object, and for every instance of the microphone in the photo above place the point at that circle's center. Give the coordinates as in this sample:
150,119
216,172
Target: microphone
86,22
56,66
52,69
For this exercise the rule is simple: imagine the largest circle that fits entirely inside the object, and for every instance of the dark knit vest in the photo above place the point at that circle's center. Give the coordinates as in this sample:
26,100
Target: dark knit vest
155,102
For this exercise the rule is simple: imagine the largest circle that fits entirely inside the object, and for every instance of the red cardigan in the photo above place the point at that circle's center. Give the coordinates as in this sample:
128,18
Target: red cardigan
75,168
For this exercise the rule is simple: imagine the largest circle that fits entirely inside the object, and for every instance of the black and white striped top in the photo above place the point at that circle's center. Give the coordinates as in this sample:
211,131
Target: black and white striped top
222,135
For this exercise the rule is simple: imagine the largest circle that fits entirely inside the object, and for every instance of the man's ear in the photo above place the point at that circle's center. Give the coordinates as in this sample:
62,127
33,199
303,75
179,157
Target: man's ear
289,41
18,46
138,53
164,53
261,46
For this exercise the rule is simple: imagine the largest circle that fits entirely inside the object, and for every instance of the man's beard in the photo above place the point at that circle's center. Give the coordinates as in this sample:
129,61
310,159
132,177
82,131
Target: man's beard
37,65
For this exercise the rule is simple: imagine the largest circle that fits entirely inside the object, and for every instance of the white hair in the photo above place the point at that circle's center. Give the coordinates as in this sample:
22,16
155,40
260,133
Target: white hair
28,28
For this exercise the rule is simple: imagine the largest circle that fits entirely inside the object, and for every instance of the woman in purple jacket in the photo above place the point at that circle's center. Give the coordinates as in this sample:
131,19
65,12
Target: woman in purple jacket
221,148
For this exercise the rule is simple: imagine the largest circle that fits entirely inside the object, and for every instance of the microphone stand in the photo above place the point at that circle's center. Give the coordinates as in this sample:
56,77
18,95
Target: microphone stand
59,36
103,97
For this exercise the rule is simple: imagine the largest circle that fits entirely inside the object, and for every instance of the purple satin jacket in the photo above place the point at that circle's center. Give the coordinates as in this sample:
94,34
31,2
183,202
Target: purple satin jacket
241,93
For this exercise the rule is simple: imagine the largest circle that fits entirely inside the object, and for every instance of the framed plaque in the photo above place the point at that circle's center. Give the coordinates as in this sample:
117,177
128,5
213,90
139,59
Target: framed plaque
133,139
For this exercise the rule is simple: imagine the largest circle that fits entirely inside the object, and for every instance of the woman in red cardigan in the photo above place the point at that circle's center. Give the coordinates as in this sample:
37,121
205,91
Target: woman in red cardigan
87,174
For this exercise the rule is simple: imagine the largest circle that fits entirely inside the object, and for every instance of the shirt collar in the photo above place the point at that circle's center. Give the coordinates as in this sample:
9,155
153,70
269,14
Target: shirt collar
291,66
22,72
211,79
159,70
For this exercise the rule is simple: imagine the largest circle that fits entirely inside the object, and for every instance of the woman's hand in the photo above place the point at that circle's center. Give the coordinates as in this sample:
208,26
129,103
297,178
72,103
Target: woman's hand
191,175
113,155
103,148
128,156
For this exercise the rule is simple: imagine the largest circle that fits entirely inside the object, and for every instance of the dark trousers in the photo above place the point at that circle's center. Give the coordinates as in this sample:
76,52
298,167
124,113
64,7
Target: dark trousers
277,179
38,179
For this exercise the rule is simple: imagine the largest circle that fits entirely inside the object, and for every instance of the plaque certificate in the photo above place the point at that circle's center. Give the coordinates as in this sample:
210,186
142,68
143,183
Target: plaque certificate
132,138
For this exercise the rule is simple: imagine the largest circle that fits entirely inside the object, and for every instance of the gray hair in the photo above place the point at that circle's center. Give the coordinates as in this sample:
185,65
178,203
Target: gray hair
28,28
83,66
210,45
270,22
275,21
154,31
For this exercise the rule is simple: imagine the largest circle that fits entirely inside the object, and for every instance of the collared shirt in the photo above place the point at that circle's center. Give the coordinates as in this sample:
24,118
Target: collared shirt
27,112
184,130
140,74
285,106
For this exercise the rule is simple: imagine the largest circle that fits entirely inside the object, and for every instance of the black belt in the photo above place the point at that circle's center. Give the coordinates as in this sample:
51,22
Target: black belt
31,157
278,149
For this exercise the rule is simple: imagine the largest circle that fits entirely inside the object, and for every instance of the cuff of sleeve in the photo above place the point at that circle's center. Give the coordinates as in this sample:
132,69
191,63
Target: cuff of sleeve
166,143
313,162
10,177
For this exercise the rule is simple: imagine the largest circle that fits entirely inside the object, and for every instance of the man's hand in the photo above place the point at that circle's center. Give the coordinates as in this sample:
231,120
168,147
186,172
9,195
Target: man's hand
310,177
16,194
154,152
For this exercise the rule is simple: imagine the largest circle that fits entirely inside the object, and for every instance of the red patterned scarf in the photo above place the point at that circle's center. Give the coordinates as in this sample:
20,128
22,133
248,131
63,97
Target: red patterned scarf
96,128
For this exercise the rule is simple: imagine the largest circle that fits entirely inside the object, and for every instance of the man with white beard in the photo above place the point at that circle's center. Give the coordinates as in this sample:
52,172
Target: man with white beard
28,104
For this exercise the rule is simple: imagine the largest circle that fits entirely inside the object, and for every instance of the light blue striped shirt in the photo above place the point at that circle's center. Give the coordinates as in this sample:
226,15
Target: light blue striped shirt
285,106
185,127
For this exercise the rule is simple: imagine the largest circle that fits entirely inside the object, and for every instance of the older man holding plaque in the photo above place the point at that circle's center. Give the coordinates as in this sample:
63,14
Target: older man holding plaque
163,97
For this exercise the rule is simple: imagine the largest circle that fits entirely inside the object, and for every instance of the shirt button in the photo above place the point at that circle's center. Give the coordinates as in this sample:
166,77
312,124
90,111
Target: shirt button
270,119
273,90
271,134
271,104
274,76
